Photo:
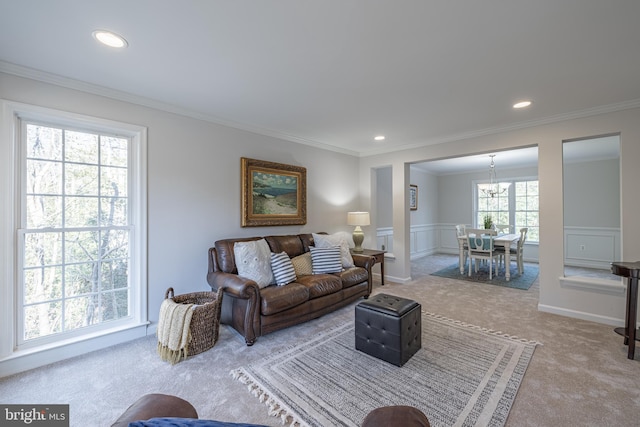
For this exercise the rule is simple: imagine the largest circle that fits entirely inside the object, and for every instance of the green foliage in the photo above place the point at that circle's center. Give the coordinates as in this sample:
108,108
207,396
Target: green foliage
488,222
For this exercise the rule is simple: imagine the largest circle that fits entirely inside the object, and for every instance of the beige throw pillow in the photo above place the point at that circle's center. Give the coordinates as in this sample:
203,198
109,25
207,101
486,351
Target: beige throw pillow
302,264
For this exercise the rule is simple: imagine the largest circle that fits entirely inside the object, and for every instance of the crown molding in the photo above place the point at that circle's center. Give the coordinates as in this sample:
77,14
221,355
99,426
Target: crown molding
603,109
69,83
106,92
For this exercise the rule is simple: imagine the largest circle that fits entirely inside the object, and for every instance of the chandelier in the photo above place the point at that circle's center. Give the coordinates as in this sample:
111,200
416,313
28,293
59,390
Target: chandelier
494,186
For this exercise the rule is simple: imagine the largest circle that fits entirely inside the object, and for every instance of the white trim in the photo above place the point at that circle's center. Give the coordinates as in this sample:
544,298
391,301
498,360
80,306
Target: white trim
25,360
581,315
609,287
42,76
13,359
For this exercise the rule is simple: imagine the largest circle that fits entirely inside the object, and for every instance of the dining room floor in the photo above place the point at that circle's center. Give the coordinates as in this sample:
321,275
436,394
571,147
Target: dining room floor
432,263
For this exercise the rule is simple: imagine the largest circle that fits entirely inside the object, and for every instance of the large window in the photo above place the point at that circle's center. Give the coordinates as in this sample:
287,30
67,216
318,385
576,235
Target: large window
513,203
76,261
75,243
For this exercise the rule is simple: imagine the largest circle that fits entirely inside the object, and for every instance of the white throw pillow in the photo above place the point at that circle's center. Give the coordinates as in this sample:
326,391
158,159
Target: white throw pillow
282,268
337,239
325,260
253,260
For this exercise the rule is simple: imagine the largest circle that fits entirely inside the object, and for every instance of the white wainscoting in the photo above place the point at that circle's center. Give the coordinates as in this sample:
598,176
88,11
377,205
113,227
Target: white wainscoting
424,240
427,239
384,239
593,247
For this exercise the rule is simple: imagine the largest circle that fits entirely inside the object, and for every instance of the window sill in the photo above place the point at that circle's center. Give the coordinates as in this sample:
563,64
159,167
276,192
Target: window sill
29,358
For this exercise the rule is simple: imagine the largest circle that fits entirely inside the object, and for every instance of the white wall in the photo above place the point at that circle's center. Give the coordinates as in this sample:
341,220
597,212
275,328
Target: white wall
194,181
577,299
592,193
384,205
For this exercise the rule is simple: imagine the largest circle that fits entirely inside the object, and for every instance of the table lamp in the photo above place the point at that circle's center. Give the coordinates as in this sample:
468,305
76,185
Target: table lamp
358,219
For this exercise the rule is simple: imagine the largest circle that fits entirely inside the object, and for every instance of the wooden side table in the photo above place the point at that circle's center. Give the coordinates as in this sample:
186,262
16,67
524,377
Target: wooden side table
378,255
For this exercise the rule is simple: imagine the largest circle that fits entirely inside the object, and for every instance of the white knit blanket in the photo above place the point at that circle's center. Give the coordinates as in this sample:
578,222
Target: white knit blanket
173,330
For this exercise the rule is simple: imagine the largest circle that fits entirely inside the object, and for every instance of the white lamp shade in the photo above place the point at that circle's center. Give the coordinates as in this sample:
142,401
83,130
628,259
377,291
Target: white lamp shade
358,218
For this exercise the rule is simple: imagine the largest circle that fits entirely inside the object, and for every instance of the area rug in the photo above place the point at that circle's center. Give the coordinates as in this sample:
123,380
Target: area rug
462,376
517,280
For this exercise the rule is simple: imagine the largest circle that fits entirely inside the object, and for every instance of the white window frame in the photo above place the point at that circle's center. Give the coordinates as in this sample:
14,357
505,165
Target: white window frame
15,358
512,200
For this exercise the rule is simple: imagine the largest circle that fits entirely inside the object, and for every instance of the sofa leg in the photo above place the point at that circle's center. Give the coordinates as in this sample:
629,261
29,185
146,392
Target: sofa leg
250,342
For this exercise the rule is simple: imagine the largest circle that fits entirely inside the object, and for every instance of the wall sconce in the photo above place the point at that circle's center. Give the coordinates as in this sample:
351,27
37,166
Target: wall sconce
358,219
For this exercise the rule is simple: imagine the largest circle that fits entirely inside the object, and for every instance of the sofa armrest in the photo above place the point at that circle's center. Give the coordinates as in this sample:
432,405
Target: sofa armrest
367,262
364,261
242,310
234,285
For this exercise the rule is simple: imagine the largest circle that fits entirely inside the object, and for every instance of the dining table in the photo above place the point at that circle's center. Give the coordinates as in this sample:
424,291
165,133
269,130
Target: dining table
504,240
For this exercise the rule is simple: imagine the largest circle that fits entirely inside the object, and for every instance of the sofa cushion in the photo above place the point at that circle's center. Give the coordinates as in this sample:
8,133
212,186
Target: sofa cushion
302,264
291,244
325,260
282,268
253,260
320,284
352,276
280,298
337,239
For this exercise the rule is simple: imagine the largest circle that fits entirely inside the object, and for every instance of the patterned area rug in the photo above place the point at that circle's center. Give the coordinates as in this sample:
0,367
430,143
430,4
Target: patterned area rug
463,375
517,280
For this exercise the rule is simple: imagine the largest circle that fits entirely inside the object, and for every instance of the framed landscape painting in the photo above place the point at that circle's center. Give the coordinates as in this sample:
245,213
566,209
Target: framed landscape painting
273,193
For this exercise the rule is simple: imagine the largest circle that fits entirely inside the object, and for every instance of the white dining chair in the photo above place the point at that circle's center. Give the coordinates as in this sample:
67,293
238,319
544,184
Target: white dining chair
502,228
480,247
518,251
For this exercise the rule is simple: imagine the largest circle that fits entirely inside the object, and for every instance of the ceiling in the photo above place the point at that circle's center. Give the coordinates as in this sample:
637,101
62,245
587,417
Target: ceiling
336,73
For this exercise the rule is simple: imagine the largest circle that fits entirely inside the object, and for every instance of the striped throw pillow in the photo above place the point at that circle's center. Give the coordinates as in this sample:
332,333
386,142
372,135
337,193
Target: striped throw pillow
326,260
282,268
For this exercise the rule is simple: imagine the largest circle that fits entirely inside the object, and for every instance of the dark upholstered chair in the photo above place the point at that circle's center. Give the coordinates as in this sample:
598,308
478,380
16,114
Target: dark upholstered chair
156,406
396,416
167,406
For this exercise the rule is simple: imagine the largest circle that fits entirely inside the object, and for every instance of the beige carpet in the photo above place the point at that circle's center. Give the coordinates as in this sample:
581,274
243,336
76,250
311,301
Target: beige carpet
580,376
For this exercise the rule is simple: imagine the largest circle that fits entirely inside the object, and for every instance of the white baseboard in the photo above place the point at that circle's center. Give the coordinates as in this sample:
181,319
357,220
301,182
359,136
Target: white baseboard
606,320
393,279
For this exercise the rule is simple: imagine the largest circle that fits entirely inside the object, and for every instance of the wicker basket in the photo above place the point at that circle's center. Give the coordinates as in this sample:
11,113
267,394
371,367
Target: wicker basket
205,322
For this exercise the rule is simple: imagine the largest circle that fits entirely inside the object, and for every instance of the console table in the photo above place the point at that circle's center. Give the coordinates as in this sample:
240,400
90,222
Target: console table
378,256
630,270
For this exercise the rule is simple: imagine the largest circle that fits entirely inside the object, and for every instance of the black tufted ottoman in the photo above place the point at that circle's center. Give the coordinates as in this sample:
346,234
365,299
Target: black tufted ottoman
389,328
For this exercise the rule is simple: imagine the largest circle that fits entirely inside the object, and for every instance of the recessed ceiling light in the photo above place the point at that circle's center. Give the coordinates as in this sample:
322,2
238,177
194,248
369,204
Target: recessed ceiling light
110,39
379,138
522,104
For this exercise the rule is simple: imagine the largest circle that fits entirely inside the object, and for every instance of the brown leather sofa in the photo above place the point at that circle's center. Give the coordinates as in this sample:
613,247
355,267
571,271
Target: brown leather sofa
254,312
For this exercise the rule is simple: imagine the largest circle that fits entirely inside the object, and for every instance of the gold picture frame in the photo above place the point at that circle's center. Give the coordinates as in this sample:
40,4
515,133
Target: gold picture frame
273,193
413,197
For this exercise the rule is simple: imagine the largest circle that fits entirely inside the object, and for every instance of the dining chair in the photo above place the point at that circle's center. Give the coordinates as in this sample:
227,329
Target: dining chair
517,251
480,244
502,228
461,236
